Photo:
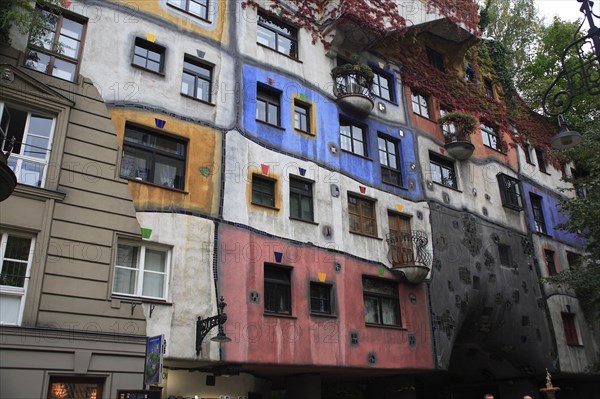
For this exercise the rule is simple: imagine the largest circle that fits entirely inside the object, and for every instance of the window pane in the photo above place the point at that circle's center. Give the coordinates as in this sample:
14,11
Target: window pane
64,70
261,110
265,37
40,126
203,90
68,47
125,281
10,306
187,84
155,260
17,248
371,310
13,273
389,311
295,206
36,147
169,172
307,211
38,61
127,256
273,114
154,284
71,29
31,173
358,147
284,45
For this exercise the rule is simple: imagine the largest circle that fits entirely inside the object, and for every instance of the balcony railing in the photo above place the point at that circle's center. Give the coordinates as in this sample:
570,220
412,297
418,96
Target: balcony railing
408,254
353,91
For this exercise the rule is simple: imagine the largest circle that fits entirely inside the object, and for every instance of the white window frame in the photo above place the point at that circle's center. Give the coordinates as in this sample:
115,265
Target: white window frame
15,161
140,269
11,290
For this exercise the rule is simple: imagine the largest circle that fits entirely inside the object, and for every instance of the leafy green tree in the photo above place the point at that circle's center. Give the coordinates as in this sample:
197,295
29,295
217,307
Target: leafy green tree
21,15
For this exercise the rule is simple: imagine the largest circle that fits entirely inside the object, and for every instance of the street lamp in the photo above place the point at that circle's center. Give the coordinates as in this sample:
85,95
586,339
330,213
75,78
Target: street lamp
582,75
203,326
565,138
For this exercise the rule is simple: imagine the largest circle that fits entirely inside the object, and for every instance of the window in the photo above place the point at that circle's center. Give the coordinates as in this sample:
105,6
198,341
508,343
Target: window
538,213
580,190
263,191
448,128
278,290
16,255
196,79
442,171
149,55
470,74
32,133
509,192
490,138
382,84
320,298
153,158
571,335
362,215
141,270
382,304
419,105
436,60
301,116
390,161
549,257
489,88
539,154
75,387
527,151
352,138
504,255
574,260
277,36
198,8
56,49
267,105
301,199
401,242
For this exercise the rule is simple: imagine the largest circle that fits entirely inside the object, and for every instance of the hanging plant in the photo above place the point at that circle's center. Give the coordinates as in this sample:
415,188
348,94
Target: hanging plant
466,124
355,67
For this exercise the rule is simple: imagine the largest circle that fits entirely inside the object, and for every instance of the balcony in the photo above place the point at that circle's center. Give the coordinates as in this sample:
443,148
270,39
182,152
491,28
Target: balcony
458,146
352,88
409,255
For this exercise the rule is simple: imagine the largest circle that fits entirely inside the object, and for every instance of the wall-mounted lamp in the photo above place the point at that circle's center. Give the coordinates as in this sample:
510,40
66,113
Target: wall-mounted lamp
565,138
203,326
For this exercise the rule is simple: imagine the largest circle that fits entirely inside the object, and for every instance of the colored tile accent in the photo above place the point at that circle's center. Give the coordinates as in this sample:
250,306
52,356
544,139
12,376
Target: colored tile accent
150,37
302,171
278,256
159,123
265,169
204,171
399,207
322,276
146,233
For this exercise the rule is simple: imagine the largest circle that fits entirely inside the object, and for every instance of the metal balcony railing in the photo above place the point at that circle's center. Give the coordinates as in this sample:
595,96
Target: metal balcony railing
408,249
355,82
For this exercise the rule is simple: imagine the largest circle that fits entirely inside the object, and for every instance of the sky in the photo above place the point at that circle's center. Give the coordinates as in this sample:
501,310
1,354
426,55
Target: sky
566,9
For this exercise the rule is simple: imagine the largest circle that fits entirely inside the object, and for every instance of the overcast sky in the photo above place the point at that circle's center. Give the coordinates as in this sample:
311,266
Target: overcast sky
566,9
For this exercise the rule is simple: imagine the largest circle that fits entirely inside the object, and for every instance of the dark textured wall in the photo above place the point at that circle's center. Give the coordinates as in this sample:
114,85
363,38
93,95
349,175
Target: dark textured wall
483,310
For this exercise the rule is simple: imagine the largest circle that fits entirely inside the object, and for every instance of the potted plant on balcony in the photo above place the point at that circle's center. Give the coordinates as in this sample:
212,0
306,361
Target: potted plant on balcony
352,86
458,136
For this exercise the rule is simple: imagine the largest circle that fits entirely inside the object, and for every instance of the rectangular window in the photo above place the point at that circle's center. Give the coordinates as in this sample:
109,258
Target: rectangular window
419,104
448,128
267,105
539,154
16,255
570,328
361,212
32,134
320,298
382,84
509,192
196,79
574,260
401,243
198,8
390,161
436,59
489,88
263,191
153,158
442,171
277,35
538,213
301,116
352,138
490,138
141,270
301,199
75,387
148,55
278,290
550,264
504,255
382,304
527,151
56,49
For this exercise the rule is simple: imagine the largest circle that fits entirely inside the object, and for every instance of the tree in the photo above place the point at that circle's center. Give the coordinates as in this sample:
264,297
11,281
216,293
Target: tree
515,24
21,15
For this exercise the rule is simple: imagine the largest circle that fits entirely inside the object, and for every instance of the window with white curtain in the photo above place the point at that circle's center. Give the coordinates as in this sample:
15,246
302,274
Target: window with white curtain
141,270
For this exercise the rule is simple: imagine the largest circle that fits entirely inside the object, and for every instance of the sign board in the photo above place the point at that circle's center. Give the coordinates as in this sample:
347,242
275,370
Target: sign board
154,360
137,394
